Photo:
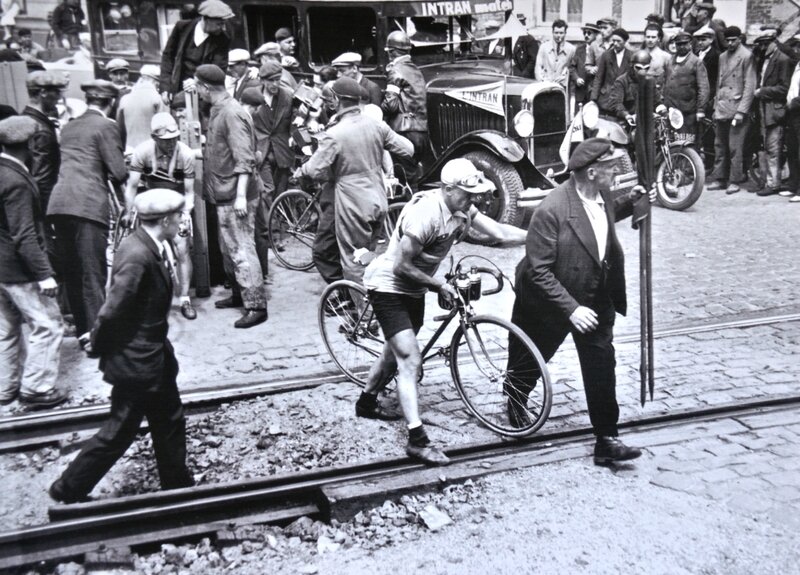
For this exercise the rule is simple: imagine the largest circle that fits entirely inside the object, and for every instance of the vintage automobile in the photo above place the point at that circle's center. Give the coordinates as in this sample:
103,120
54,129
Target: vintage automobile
510,126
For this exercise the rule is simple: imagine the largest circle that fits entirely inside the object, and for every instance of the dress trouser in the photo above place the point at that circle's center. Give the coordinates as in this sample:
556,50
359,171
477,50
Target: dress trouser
729,146
161,404
82,246
792,133
595,353
325,251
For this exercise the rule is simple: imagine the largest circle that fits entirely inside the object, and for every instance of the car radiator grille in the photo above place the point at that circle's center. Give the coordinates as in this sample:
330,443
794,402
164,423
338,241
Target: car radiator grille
456,119
549,126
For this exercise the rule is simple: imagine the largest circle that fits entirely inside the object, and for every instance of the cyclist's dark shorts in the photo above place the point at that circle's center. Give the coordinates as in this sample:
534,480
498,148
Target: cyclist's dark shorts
396,312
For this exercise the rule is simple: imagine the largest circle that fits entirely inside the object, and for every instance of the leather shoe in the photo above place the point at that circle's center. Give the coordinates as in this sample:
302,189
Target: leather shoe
732,189
715,185
517,415
251,318
188,311
427,454
610,450
766,191
376,411
59,493
229,302
51,398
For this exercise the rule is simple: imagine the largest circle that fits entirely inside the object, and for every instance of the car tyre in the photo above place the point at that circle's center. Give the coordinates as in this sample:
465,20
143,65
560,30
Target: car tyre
504,207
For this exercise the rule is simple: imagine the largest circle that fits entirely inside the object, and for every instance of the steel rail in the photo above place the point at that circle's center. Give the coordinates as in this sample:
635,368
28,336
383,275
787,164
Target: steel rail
165,515
38,429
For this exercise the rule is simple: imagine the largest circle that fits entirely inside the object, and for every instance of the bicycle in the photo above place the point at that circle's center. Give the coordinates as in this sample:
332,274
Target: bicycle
477,355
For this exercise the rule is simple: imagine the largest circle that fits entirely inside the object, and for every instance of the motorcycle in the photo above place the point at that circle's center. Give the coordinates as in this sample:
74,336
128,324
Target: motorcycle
680,174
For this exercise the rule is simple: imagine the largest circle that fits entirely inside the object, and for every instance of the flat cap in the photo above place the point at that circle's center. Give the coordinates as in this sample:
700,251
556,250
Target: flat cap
708,6
100,89
163,126
157,203
270,70
591,151
210,74
46,79
682,37
117,64
17,129
215,9
704,31
767,34
607,22
591,27
282,34
347,59
268,48
622,33
238,55
733,32
151,71
347,88
253,97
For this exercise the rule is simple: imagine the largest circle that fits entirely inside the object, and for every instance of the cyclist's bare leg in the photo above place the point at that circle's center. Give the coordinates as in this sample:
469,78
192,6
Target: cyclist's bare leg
382,371
184,257
406,352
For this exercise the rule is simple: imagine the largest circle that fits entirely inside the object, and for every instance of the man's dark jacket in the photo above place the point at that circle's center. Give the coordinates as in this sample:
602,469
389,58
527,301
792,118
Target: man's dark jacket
45,154
577,69
23,257
525,51
624,95
773,88
561,270
67,19
373,91
174,69
711,62
607,72
272,125
130,333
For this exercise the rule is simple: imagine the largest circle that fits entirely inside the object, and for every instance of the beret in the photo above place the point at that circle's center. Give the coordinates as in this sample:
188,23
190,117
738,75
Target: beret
210,74
238,55
704,31
592,150
40,79
268,48
215,9
17,129
157,203
706,6
682,36
100,89
347,88
590,26
347,59
151,71
178,101
270,70
607,21
163,126
733,32
282,34
622,33
117,64
253,97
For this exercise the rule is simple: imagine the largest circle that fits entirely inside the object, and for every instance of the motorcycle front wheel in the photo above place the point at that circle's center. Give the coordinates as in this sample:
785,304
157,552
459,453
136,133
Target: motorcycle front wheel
679,187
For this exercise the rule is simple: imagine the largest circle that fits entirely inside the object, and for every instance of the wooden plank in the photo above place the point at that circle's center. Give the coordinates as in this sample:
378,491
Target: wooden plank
13,91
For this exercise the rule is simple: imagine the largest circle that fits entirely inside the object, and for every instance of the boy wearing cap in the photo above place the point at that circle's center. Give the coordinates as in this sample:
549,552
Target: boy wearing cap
347,64
136,357
398,280
27,286
572,280
137,108
613,63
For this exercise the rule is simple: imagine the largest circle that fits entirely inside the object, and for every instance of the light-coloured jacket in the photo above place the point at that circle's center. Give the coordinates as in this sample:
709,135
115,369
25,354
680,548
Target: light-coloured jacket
736,84
552,66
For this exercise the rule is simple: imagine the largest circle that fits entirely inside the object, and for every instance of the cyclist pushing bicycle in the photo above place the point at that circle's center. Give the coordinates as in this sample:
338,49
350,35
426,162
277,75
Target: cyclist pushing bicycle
398,280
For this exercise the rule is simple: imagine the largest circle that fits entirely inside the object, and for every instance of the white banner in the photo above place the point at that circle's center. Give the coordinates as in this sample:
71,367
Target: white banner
487,97
574,134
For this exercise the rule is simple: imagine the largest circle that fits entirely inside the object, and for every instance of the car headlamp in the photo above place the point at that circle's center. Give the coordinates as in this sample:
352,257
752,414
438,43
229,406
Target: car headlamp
591,115
523,124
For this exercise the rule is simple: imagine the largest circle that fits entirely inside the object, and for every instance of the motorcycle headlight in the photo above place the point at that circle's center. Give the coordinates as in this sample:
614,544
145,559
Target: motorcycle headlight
591,115
675,118
523,124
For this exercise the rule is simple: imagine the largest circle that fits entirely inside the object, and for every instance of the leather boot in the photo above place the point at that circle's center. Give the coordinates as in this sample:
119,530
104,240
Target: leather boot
252,317
609,450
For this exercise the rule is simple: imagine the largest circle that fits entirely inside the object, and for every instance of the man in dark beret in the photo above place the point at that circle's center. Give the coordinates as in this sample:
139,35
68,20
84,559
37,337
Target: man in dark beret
613,63
136,357
572,280
285,39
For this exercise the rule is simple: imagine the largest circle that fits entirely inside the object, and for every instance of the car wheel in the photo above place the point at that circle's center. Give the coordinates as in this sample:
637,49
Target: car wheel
503,205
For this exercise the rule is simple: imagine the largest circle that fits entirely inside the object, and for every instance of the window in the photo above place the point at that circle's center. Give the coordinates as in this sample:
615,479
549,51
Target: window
332,31
264,20
119,29
569,10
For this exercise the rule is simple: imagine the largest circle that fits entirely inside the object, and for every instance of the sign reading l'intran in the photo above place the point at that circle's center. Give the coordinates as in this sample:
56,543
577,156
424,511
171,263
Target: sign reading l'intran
488,97
461,7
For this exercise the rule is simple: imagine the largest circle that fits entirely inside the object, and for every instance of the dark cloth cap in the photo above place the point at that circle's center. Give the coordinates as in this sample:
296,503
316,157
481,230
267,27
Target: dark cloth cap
706,6
178,100
253,97
17,129
590,151
210,74
682,37
100,89
270,69
608,21
347,88
590,26
157,203
733,32
46,79
622,33
282,34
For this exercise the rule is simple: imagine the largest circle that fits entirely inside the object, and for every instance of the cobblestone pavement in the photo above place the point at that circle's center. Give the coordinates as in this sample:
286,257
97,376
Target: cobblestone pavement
726,255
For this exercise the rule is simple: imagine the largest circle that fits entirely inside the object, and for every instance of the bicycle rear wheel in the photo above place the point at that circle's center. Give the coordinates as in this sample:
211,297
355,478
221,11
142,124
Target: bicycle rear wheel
292,225
489,386
349,329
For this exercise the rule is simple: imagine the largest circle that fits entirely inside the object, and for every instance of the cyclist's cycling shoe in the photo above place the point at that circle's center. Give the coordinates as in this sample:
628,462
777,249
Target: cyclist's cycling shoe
517,415
427,454
376,411
608,450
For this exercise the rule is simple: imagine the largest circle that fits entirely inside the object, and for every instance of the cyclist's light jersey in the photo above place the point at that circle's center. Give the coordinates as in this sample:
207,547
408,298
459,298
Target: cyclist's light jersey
161,171
427,219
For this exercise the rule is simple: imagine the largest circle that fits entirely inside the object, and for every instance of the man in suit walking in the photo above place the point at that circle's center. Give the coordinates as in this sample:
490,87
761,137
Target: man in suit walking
572,280
613,63
273,122
136,357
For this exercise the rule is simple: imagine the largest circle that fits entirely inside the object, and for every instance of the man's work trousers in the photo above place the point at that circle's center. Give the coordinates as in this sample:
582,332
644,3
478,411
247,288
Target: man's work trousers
238,246
773,146
82,246
31,369
161,404
262,231
325,251
729,145
792,133
595,353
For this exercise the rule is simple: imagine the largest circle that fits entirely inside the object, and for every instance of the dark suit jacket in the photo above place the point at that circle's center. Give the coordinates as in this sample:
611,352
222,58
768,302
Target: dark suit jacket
774,87
272,125
577,69
45,154
173,71
130,333
244,85
525,51
711,62
561,270
374,93
607,72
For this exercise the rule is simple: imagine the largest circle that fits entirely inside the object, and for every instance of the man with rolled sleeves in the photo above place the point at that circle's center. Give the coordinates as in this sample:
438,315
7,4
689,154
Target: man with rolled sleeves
79,207
348,64
232,184
686,84
136,357
27,286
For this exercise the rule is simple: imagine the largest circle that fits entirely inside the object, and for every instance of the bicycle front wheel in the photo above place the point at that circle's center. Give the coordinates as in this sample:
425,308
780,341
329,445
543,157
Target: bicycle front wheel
349,329
292,225
501,376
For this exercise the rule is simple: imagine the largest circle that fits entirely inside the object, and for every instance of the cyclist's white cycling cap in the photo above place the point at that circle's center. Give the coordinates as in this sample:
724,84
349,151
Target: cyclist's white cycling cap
164,127
462,173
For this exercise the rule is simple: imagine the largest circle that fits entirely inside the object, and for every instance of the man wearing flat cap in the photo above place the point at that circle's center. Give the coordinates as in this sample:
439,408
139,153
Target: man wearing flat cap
79,207
203,40
348,64
118,71
700,15
572,280
28,370
232,184
240,75
524,53
271,52
137,108
686,84
136,357
579,76
603,42
708,54
614,63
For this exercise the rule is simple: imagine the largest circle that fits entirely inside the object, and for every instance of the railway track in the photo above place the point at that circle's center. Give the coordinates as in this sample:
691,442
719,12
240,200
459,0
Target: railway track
39,429
163,516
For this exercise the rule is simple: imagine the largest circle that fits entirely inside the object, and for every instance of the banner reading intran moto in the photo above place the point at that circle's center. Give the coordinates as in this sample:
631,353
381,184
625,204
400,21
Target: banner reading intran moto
461,7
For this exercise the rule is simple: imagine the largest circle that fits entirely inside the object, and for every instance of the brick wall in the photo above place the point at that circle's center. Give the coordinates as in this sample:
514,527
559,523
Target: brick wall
770,11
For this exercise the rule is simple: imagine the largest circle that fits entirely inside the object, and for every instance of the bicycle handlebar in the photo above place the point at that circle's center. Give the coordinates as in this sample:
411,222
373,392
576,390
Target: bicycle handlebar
498,277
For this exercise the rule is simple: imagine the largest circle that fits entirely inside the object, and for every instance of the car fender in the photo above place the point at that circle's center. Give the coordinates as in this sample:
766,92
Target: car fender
490,140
